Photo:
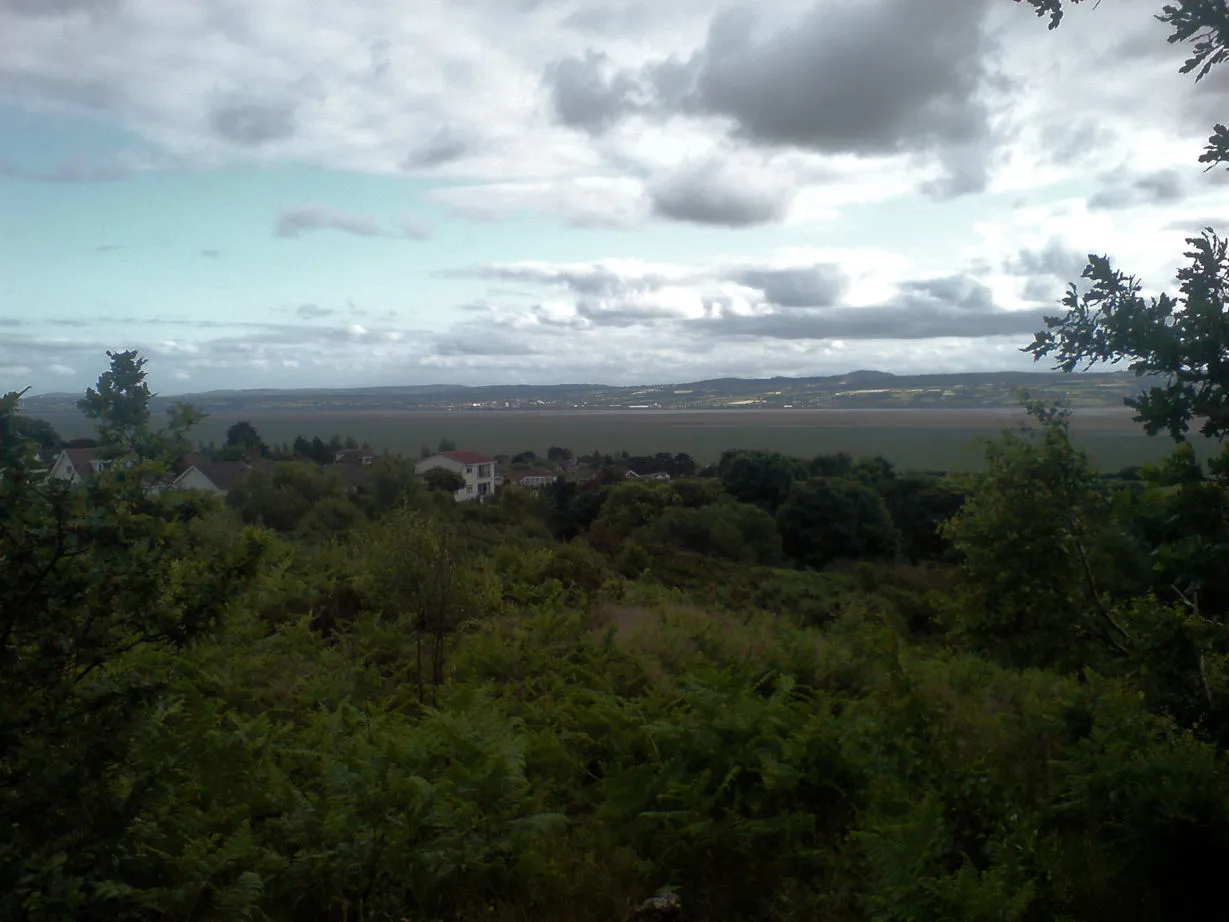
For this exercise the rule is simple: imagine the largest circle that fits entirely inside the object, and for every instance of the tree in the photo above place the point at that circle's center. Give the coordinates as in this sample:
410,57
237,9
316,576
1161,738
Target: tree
763,478
89,579
447,444
243,435
120,405
1204,24
443,480
829,518
1183,339
1031,537
735,531
37,430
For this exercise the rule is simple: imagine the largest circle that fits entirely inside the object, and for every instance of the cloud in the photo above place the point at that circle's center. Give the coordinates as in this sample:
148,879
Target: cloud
587,93
302,219
770,300
445,147
802,286
717,192
313,311
1161,187
900,321
50,8
587,202
69,171
251,122
109,248
211,254
879,77
415,230
1054,260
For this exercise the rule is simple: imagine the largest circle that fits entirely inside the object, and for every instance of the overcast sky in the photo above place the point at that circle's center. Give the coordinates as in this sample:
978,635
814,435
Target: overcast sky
293,193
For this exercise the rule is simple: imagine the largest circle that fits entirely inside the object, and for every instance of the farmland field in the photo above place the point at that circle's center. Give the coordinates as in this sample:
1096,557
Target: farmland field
918,439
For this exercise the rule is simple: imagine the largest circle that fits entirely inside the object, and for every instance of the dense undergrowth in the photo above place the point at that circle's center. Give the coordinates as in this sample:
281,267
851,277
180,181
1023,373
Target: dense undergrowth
785,691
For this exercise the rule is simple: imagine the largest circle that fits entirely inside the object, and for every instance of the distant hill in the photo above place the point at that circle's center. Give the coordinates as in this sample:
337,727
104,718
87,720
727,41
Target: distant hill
864,388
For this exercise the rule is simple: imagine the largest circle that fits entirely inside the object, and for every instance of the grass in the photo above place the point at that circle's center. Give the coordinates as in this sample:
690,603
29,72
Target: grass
911,439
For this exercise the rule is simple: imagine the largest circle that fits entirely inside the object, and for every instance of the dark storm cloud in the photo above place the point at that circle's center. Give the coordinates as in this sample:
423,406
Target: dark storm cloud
254,122
1162,187
874,77
812,286
711,195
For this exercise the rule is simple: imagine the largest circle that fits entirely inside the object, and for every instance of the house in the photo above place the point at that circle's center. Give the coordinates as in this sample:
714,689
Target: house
218,477
656,475
76,465
530,480
479,471
364,456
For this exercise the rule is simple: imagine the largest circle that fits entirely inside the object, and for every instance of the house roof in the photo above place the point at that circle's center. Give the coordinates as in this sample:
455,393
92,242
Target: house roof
81,458
518,476
223,474
467,457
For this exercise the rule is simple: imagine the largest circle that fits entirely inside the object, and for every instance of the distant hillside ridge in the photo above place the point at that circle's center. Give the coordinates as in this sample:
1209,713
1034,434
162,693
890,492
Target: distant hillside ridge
864,388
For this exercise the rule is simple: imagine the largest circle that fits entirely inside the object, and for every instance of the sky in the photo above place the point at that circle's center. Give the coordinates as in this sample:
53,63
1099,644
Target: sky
288,193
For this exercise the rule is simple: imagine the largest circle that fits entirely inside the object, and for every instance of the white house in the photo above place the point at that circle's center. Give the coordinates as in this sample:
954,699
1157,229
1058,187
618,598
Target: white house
76,465
210,476
656,475
531,480
477,469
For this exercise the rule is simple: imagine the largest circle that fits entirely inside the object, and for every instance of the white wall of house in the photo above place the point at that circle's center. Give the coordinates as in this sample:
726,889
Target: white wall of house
64,470
479,475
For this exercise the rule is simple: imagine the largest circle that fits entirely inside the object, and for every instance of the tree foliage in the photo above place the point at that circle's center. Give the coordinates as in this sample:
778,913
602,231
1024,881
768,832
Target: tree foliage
1182,340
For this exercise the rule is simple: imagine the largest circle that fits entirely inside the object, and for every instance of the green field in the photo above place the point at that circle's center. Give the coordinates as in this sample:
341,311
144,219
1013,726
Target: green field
917,439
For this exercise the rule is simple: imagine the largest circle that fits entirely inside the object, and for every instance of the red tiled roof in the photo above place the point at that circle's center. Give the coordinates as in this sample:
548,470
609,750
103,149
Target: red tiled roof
468,457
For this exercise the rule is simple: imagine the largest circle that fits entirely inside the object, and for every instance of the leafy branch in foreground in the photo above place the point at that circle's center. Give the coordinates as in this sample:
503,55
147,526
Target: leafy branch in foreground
1203,24
1184,340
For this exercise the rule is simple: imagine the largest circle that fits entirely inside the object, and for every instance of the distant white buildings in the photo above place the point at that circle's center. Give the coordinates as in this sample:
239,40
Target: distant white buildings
477,469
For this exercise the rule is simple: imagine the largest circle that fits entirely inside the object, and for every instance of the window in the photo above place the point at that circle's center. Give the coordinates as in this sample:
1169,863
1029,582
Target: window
469,468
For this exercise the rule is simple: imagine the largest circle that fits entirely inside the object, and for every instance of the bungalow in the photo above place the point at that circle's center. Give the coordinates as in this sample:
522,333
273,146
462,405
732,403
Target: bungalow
218,477
362,456
478,470
76,465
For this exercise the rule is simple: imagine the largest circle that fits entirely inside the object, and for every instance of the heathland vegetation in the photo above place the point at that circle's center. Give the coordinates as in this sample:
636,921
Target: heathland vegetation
773,688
